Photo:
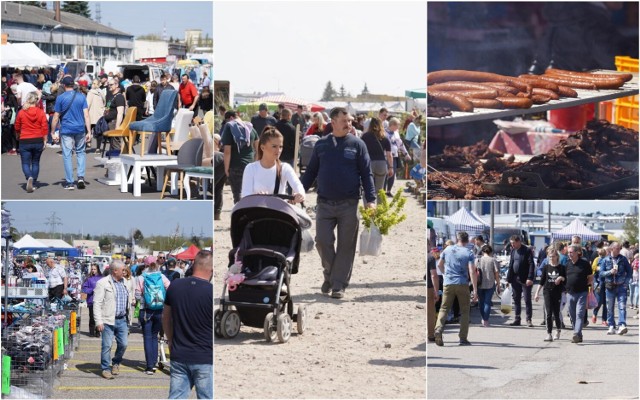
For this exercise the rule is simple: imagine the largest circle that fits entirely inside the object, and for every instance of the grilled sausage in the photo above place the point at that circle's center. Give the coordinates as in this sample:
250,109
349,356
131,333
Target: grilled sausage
458,86
601,83
451,99
463,75
478,94
556,71
574,83
537,83
502,87
486,103
515,102
565,91
545,92
540,99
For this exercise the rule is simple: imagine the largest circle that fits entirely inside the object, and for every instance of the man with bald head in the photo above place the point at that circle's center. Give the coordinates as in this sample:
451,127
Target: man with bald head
187,320
616,272
57,278
111,312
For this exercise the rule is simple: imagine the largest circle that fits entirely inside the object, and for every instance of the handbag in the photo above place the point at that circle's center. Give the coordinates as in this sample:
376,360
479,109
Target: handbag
136,311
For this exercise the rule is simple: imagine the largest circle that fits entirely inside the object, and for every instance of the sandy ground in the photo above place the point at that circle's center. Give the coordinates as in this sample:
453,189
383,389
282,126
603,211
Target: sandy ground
371,344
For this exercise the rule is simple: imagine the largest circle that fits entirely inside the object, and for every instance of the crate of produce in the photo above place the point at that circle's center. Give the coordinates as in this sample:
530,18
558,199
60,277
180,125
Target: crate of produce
626,109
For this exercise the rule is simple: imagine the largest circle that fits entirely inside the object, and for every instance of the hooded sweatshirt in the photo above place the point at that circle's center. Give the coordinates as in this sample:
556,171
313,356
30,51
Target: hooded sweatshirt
32,125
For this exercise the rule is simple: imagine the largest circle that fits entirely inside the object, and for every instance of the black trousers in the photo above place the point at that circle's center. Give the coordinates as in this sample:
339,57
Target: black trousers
92,321
56,292
552,300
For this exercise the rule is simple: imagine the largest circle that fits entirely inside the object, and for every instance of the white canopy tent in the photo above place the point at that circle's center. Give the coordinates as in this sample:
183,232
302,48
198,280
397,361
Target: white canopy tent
28,241
576,227
25,55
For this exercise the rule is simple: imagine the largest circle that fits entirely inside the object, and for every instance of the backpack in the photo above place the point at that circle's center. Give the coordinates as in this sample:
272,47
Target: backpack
171,274
101,127
154,291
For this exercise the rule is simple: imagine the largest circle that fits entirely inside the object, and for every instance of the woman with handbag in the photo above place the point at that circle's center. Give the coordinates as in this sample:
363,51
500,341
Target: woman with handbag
554,275
379,148
87,288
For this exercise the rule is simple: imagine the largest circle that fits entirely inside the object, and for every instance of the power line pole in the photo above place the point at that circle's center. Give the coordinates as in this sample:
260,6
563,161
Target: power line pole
98,13
53,221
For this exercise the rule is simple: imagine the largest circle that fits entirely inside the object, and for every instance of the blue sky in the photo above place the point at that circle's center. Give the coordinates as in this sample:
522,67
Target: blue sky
114,217
582,206
147,17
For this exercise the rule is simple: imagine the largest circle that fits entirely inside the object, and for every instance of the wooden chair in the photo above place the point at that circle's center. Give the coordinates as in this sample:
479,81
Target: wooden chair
123,131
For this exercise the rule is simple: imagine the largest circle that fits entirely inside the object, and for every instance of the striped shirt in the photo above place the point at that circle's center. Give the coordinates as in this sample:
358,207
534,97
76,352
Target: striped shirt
122,298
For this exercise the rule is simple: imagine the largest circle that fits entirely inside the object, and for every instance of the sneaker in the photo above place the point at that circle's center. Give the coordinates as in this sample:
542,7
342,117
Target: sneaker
586,323
431,339
81,184
337,294
68,186
326,287
611,331
438,338
622,329
30,185
594,319
605,323
115,369
389,194
464,342
529,324
548,338
149,371
216,216
486,323
106,374
543,323
557,336
576,339
515,323
12,152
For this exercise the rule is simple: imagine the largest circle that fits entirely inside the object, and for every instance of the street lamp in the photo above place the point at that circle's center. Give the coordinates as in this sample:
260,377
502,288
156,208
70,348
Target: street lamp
51,36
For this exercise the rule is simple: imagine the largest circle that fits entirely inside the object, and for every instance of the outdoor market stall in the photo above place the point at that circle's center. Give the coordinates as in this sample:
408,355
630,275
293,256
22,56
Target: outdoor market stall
576,227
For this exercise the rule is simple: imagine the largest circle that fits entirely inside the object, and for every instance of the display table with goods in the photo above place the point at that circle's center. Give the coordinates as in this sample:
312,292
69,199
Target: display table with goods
600,161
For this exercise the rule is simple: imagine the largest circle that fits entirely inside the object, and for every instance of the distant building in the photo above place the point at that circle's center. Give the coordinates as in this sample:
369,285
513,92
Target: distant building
70,36
158,51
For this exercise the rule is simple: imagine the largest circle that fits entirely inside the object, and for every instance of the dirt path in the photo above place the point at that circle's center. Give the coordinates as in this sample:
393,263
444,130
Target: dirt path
371,344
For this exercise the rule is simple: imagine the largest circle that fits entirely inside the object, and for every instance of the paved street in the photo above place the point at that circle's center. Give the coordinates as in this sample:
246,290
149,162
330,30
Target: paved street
82,378
52,176
515,362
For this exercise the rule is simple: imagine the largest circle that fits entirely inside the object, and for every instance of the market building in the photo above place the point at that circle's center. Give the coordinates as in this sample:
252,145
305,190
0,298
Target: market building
64,35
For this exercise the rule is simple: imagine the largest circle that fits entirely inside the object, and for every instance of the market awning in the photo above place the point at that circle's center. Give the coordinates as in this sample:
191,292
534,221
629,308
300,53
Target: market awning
416,93
25,55
576,227
463,220
188,254
28,241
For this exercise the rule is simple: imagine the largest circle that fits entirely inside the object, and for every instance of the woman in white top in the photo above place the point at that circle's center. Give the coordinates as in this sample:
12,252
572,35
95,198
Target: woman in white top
260,176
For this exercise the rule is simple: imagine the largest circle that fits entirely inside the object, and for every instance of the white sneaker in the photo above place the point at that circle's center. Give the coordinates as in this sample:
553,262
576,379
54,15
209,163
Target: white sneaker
622,329
548,338
611,331
557,337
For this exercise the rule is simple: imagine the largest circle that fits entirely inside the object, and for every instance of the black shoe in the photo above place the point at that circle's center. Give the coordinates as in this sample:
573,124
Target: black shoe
431,339
529,324
81,184
576,339
464,342
438,339
515,323
68,186
326,287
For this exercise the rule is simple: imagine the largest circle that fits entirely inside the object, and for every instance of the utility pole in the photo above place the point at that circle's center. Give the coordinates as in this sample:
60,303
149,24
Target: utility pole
98,13
53,221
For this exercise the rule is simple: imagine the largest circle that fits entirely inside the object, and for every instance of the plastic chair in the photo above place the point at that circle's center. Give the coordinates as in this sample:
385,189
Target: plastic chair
180,133
123,131
189,156
159,122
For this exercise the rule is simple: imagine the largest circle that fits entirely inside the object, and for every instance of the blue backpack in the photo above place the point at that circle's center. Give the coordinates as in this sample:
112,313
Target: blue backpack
154,291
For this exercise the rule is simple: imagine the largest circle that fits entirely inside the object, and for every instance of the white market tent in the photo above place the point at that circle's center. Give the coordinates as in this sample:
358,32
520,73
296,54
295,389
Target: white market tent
58,243
463,220
25,55
576,227
28,241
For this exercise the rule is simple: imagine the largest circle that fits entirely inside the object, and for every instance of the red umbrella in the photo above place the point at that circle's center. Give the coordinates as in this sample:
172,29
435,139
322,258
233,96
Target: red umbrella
188,254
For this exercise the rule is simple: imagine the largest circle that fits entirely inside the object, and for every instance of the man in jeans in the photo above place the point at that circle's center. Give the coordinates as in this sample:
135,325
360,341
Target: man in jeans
579,277
521,275
72,111
616,272
458,263
187,320
341,163
111,313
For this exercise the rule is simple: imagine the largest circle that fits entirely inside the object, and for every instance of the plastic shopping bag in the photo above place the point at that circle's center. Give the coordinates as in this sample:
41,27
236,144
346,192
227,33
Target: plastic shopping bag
371,241
592,301
506,302
307,243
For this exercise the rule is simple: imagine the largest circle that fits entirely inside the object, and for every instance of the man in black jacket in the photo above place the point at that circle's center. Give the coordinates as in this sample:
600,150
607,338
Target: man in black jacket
289,137
520,276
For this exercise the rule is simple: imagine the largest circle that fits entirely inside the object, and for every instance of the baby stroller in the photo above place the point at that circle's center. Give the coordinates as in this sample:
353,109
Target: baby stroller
266,238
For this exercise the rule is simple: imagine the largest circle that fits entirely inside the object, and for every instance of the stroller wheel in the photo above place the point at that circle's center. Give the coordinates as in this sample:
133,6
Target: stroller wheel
217,324
284,327
270,332
230,324
301,319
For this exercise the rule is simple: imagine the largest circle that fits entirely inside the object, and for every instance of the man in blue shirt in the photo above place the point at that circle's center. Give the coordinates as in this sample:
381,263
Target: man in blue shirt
340,162
72,111
457,265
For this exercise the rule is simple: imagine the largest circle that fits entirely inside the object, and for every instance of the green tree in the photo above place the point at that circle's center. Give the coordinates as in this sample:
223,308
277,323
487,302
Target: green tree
138,236
88,237
365,90
104,243
342,92
77,7
630,228
150,36
329,92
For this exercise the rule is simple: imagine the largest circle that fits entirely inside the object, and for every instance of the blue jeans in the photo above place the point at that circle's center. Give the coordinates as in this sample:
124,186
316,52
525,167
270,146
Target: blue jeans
484,302
151,322
30,155
185,376
120,330
620,294
633,293
72,143
577,309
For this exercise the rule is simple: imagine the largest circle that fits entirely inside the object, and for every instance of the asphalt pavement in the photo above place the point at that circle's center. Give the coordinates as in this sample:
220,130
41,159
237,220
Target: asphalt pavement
515,362
51,179
82,379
